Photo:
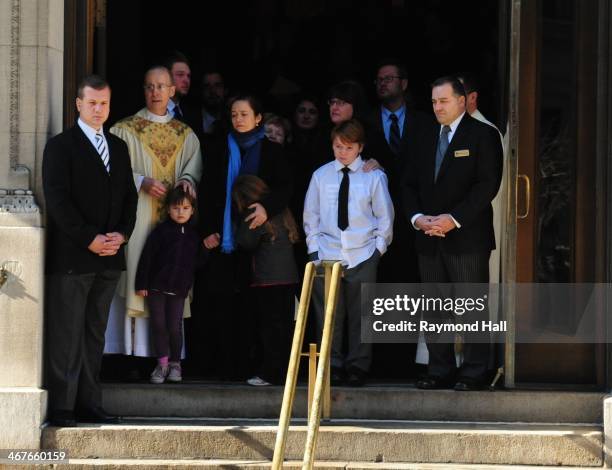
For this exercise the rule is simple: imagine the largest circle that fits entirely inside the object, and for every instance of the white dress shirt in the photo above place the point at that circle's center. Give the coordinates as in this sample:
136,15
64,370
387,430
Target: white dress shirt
90,133
370,212
453,127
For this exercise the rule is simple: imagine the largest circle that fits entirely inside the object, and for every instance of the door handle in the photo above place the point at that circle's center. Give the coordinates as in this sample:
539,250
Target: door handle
527,195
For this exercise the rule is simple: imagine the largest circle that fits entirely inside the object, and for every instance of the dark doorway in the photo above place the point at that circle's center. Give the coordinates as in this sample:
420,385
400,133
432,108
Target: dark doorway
312,44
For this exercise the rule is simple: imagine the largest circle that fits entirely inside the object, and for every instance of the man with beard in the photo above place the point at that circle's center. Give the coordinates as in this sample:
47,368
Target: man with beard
214,93
394,130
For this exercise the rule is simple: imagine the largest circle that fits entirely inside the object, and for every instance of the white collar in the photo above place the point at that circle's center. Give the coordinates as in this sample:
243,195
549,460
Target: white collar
453,125
149,116
354,166
88,130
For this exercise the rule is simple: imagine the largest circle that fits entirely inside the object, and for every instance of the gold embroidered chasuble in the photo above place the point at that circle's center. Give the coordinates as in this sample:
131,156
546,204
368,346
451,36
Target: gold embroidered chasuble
166,149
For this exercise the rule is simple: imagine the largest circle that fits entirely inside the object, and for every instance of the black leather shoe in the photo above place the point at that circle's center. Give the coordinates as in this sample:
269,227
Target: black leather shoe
62,419
356,377
467,384
431,382
336,376
97,415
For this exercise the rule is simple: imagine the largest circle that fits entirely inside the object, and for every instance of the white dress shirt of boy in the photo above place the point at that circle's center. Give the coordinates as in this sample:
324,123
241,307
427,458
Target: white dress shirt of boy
370,214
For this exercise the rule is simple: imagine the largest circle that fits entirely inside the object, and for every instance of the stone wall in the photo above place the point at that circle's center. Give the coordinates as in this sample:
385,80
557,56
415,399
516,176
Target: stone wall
31,87
31,108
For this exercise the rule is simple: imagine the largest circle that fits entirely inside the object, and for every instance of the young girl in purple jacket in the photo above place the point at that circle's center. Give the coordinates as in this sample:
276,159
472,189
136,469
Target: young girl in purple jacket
164,276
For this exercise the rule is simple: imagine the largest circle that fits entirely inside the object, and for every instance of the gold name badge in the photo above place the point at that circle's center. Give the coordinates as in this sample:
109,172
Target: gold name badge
462,153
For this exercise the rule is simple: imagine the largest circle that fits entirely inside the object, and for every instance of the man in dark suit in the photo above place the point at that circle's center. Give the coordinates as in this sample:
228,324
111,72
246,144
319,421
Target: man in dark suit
448,189
392,132
179,105
91,209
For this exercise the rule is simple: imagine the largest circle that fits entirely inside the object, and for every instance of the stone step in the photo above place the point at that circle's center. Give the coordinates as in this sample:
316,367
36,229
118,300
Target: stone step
340,440
151,464
199,400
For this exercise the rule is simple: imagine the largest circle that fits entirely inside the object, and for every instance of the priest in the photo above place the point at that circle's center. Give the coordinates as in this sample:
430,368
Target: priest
164,153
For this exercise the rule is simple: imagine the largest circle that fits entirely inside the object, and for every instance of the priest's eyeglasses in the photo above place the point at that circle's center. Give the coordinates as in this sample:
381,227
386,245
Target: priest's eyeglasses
159,87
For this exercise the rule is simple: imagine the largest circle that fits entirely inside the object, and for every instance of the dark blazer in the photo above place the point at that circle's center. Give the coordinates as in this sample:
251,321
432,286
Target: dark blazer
378,148
83,200
274,169
192,116
465,186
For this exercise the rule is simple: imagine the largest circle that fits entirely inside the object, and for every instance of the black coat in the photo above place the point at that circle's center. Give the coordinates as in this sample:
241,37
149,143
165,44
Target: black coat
272,260
467,182
274,170
83,200
400,264
378,148
169,259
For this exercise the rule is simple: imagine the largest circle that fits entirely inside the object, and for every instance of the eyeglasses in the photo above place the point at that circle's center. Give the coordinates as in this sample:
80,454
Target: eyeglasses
303,110
159,87
386,79
336,102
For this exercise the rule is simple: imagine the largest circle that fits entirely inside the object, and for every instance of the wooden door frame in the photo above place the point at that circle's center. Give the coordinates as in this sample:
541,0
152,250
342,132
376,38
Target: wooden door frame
603,178
604,170
84,48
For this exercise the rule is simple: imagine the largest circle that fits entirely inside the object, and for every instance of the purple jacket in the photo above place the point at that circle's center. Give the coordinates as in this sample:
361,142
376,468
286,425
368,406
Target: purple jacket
169,259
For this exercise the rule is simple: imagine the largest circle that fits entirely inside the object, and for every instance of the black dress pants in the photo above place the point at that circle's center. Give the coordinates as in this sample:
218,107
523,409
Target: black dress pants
457,269
76,317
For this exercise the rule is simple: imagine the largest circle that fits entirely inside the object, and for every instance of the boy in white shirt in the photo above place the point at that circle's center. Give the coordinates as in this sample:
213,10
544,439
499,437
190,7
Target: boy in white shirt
348,216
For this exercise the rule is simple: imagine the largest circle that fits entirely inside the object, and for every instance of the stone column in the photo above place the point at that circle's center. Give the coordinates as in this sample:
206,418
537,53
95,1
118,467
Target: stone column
607,418
31,84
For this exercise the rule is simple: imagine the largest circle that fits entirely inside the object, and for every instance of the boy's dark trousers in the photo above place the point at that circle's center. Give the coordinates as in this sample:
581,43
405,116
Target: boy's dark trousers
348,310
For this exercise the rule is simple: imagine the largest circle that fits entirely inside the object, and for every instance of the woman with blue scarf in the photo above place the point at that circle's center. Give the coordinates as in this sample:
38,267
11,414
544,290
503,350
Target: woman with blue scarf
219,293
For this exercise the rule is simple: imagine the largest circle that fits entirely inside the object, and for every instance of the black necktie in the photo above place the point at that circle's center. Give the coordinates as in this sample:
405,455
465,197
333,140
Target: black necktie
343,194
394,135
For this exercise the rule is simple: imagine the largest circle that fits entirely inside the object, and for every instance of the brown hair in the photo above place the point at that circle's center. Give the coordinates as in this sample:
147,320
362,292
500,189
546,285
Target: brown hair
282,122
350,131
92,81
249,189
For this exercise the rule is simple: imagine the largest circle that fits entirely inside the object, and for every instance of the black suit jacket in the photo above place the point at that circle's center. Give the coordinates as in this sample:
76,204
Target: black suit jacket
467,182
83,200
274,170
378,148
192,116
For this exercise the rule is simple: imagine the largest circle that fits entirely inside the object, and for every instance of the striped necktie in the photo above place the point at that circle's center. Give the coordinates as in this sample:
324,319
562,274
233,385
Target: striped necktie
103,151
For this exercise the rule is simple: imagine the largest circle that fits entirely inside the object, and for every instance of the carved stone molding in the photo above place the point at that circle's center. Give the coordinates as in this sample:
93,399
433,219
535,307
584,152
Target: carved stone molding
14,84
17,201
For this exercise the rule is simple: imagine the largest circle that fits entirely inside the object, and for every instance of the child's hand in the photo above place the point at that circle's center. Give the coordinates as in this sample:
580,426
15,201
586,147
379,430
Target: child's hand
142,293
258,216
212,241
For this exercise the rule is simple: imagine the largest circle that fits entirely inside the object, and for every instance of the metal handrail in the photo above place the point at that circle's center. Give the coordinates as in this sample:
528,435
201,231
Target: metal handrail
331,297
314,419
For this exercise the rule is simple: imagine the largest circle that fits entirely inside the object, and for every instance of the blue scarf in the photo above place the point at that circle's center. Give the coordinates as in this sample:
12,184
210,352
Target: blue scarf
250,143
